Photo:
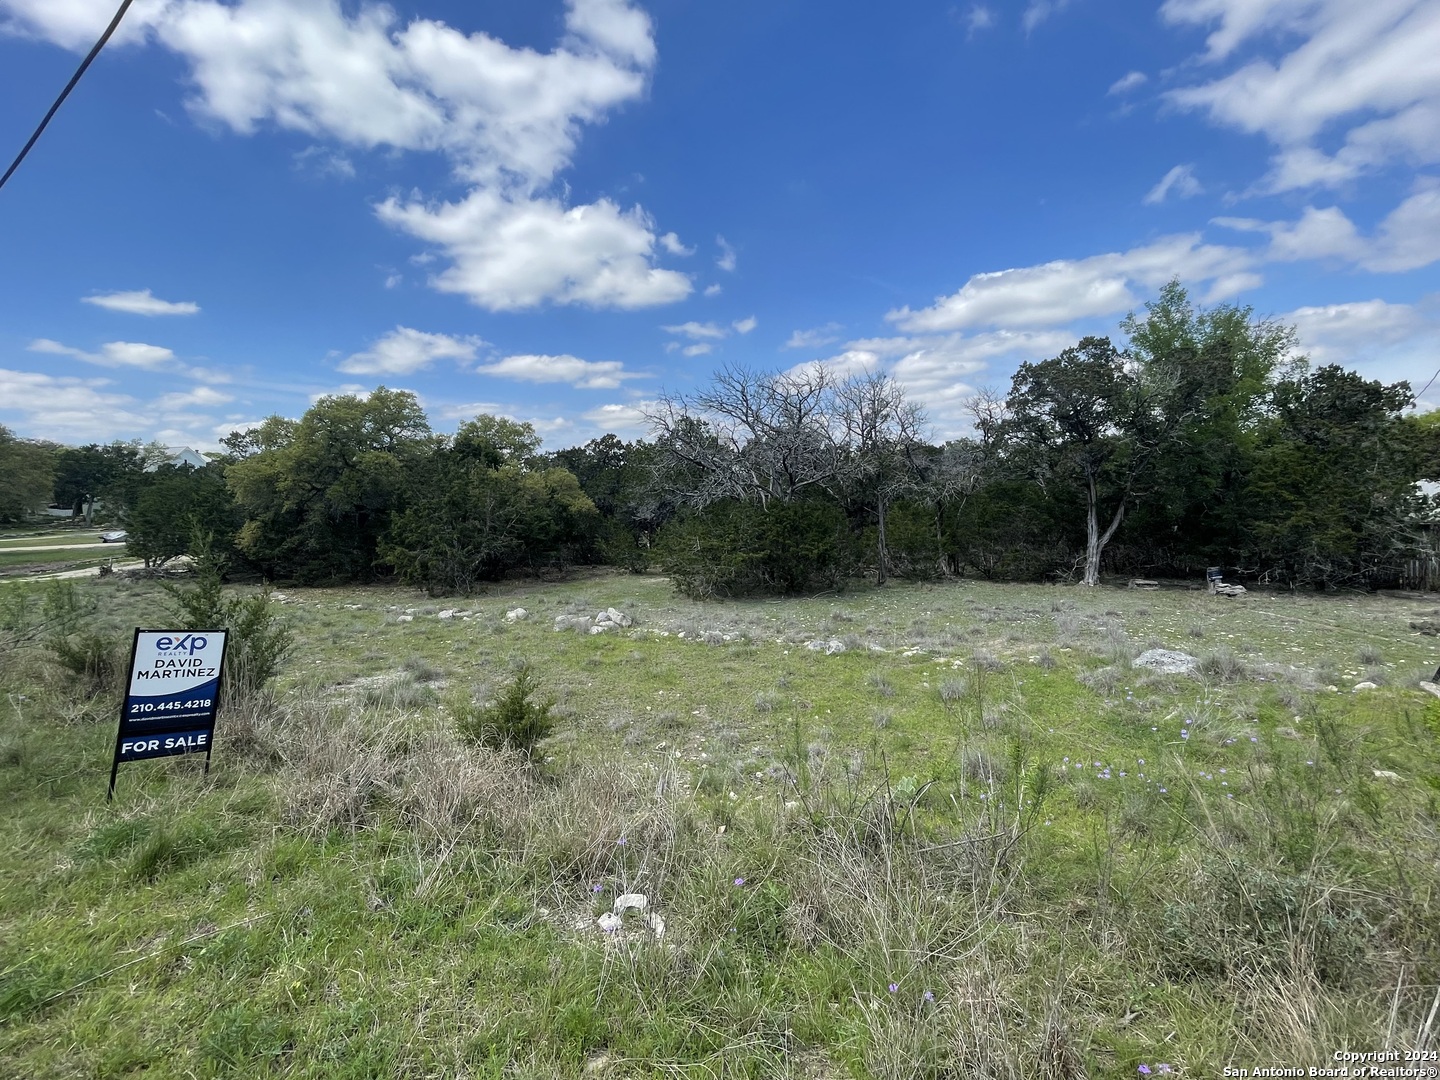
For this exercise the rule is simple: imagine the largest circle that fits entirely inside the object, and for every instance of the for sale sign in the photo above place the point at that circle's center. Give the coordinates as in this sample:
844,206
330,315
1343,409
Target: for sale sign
171,697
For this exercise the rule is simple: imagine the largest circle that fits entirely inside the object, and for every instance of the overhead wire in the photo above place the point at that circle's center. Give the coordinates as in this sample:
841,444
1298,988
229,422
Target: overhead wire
109,31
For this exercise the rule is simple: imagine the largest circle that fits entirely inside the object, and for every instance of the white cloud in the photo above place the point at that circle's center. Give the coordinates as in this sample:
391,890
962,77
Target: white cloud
200,397
619,419
509,255
1127,82
1335,333
705,335
1407,239
714,290
508,118
726,259
141,303
814,338
697,331
671,243
114,354
1180,180
1364,71
1040,10
403,351
979,18
582,374
77,24
1067,290
393,281
67,409
321,161
941,372
1381,340
366,81
1410,234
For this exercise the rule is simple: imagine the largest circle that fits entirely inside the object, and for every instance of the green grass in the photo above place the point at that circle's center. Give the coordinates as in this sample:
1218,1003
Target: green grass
12,561
355,892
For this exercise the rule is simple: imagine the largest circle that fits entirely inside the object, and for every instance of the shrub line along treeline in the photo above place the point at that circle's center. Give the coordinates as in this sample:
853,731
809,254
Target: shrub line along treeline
1206,441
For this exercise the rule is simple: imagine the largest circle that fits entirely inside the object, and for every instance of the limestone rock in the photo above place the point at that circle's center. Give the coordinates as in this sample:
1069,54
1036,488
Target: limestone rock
1167,661
404,618
829,647
448,613
613,616
572,622
1364,686
518,614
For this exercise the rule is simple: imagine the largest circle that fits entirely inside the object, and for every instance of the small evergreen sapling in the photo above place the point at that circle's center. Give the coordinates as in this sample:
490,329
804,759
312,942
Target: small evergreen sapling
515,720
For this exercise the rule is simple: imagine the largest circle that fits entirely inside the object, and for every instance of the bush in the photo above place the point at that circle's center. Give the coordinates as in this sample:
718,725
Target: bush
736,548
513,721
92,658
258,641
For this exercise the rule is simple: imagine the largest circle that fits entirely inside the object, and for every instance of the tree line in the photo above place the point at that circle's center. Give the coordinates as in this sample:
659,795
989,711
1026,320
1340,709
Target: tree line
1204,440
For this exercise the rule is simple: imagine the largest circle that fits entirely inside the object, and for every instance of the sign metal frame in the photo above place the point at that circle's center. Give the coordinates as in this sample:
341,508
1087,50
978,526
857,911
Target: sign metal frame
179,720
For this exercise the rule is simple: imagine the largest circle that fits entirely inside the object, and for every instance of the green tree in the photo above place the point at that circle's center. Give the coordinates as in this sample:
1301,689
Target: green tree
318,495
112,475
1214,370
741,547
1085,419
478,509
618,477
27,472
176,504
1333,484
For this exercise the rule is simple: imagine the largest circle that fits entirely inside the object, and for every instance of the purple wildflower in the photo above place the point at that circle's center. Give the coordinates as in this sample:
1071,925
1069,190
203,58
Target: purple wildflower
929,995
1144,1070
739,881
894,987
596,888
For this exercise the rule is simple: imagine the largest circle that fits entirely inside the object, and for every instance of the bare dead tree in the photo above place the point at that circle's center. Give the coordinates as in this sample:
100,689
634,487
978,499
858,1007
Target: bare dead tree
883,434
752,436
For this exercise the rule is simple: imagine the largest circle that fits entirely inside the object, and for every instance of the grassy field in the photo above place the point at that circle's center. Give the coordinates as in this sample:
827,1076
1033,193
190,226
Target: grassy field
964,838
50,538
23,562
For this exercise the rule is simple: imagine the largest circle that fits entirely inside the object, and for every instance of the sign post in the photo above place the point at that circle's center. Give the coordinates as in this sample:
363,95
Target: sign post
171,697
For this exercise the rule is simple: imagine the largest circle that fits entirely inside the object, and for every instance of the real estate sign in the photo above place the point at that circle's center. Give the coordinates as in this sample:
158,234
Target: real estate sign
171,697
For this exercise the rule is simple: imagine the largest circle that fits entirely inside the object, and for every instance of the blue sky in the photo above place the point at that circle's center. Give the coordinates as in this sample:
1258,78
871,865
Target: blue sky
557,210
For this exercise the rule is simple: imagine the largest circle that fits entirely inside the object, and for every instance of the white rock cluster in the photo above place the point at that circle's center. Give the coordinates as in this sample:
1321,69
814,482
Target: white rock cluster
614,920
609,619
1167,661
829,648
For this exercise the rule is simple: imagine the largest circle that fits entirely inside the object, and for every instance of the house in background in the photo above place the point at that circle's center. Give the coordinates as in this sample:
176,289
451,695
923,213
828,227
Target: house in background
179,455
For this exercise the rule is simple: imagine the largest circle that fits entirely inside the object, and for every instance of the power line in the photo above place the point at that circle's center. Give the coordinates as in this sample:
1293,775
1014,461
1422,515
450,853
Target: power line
115,22
1428,385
